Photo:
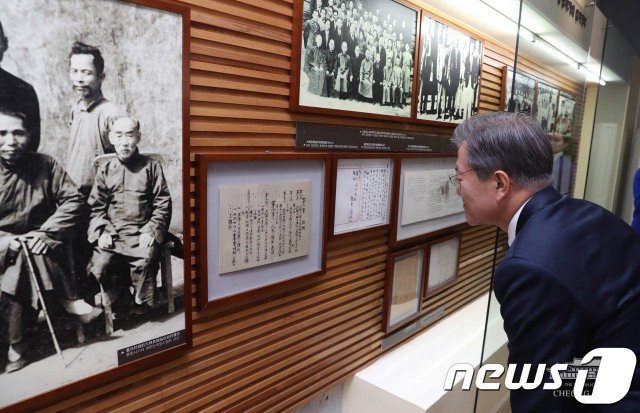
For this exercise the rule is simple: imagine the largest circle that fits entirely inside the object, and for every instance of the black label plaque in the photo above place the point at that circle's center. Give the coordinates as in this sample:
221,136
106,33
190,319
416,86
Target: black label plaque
140,350
348,138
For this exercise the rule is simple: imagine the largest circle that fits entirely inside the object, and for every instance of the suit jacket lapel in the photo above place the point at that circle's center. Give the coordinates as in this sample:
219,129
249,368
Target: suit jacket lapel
537,202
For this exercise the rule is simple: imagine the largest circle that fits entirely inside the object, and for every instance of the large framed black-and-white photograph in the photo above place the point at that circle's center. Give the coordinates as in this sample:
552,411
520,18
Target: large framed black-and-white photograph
545,108
449,73
518,96
564,119
93,182
354,58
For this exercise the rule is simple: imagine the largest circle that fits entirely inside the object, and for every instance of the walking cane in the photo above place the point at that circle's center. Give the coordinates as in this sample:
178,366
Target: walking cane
34,280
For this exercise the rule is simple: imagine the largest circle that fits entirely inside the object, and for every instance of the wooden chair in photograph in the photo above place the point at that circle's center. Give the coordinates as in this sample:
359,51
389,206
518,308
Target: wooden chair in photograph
166,274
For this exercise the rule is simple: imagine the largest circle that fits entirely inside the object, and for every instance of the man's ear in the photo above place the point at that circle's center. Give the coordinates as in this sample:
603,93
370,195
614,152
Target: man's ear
503,184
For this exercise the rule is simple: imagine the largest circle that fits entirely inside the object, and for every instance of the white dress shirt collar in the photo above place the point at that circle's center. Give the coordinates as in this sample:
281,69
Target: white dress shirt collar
511,230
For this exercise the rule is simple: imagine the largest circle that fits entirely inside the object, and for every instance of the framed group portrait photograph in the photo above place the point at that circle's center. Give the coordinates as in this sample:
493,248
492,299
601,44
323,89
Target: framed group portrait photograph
545,107
518,95
449,71
564,118
354,58
94,234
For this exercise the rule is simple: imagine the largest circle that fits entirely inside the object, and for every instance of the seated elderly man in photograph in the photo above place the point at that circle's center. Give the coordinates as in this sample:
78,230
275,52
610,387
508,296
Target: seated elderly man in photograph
570,280
39,205
130,213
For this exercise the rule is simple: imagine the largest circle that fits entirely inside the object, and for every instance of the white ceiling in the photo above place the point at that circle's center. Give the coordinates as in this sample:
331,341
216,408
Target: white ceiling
497,19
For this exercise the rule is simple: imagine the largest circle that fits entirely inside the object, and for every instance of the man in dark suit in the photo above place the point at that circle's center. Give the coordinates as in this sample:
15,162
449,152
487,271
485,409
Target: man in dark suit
19,95
570,281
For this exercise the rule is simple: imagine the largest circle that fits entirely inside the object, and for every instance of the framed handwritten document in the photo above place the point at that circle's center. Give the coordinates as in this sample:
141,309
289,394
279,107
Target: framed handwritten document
405,272
427,202
442,263
262,221
362,193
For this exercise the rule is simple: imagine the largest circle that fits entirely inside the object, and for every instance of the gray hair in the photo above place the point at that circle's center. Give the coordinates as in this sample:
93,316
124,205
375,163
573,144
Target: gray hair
512,142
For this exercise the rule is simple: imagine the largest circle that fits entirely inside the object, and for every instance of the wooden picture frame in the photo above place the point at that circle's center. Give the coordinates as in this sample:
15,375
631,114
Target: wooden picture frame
309,90
41,36
221,172
525,84
442,264
407,228
347,194
401,293
546,106
465,85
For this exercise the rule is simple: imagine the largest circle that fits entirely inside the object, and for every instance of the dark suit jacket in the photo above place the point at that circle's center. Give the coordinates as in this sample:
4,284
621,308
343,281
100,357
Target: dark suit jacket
19,96
569,283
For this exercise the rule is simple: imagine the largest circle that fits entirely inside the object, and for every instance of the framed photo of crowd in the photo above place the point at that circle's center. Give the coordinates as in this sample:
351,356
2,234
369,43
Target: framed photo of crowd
520,98
546,107
564,119
449,73
94,273
354,58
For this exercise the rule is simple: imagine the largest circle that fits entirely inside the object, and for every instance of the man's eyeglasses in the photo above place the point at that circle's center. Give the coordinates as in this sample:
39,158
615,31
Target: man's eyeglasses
454,178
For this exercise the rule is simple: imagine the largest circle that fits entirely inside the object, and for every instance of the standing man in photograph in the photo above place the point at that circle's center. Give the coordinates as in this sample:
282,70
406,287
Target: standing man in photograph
18,94
90,116
569,282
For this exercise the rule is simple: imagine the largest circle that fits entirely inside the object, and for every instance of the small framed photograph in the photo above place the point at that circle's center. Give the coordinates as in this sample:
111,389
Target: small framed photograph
443,256
362,191
262,221
354,59
427,201
564,119
405,274
522,99
449,73
546,107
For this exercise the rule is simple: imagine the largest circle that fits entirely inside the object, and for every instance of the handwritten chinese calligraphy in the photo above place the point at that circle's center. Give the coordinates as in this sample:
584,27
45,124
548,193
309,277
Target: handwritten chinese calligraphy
362,194
427,195
263,223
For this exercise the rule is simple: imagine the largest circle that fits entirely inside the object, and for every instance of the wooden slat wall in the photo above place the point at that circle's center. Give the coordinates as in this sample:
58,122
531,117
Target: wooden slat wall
277,354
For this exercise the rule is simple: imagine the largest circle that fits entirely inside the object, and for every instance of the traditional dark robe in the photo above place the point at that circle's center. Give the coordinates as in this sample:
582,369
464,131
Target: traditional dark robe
128,199
19,96
330,72
378,78
343,71
315,63
37,197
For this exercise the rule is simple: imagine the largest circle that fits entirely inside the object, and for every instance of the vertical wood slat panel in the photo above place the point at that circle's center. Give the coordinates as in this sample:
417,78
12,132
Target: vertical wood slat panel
277,354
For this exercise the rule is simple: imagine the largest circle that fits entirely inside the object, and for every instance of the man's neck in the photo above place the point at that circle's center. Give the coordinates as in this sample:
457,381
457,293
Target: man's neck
90,100
512,205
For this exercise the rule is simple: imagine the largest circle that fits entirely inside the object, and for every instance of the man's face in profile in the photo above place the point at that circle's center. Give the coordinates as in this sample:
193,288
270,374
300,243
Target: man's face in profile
85,79
14,138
